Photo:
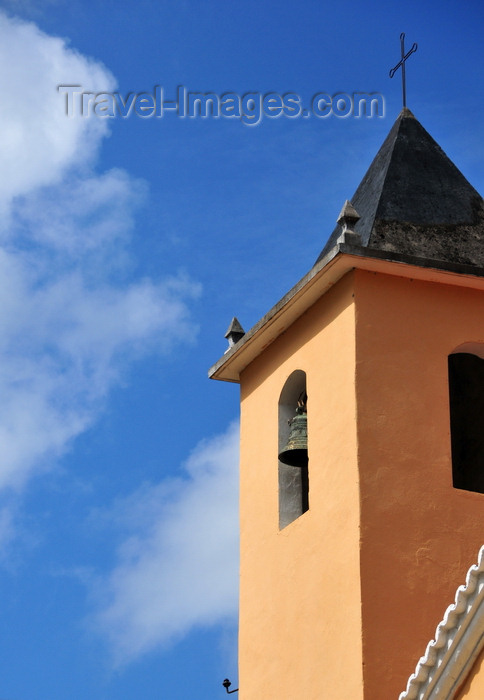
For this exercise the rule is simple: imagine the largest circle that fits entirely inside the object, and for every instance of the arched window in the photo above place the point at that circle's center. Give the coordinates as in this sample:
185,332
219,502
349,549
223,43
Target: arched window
293,481
466,393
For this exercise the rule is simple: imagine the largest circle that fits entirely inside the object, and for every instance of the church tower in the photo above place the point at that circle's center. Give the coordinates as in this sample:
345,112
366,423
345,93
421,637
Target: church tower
349,560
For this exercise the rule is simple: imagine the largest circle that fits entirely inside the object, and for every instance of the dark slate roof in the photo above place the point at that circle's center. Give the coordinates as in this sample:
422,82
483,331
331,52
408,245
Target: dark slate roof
414,201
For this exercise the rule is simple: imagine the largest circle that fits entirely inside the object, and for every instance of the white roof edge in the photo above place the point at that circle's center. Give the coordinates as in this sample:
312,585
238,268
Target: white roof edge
459,639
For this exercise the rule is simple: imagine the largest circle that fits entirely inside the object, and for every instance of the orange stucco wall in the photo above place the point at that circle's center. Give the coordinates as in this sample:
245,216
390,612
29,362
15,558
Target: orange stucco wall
342,603
300,589
473,688
419,535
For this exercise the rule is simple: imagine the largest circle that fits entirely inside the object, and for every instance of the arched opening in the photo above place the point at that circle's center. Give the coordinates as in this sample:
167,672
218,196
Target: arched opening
293,480
466,394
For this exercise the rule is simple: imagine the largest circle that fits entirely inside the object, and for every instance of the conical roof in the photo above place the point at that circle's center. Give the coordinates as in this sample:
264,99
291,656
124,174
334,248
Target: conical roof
414,201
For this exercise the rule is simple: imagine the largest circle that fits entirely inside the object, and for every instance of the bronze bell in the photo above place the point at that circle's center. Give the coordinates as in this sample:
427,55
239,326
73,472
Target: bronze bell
295,453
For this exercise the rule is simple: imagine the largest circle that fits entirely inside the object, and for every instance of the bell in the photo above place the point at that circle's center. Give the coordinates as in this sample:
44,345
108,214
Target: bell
295,453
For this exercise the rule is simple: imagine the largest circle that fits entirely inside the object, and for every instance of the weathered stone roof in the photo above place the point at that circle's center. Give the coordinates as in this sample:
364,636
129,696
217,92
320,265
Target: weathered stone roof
414,201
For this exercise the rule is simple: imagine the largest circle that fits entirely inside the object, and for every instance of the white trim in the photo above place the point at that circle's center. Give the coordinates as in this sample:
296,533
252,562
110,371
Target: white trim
459,639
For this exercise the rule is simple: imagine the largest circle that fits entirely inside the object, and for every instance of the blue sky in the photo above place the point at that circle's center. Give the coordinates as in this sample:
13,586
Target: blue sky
126,246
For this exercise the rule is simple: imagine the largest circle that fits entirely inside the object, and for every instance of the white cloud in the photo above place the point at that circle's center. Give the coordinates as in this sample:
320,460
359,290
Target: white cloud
178,565
38,143
67,328
70,321
87,215
58,360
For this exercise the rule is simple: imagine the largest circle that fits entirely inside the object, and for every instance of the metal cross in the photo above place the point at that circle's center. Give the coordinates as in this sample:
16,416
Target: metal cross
402,64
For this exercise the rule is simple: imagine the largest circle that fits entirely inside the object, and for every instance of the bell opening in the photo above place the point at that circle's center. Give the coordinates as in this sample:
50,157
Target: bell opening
293,476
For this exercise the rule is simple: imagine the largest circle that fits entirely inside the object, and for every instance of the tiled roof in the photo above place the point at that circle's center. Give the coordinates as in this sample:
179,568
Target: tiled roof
459,638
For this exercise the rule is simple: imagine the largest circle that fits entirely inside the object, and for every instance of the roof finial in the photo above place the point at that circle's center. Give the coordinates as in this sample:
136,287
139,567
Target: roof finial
234,332
347,218
402,64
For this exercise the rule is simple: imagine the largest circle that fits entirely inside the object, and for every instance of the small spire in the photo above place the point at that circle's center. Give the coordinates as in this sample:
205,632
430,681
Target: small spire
347,218
234,332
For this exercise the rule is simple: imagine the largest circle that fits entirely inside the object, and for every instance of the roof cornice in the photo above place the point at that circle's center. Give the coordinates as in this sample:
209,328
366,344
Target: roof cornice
459,639
343,258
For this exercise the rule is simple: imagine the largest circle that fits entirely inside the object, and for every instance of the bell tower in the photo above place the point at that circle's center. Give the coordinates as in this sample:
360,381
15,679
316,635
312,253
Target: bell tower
349,558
